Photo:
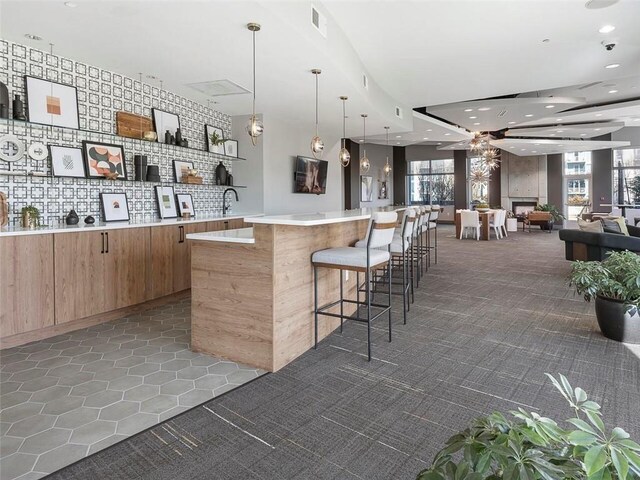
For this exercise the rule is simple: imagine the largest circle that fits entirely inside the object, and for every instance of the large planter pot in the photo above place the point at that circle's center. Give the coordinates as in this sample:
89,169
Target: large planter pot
547,225
512,224
616,322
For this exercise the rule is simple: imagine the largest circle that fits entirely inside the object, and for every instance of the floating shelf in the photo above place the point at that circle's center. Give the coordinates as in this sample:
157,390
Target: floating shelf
26,123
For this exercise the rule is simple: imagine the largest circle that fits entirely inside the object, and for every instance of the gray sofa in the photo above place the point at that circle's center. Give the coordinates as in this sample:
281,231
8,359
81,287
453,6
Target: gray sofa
580,245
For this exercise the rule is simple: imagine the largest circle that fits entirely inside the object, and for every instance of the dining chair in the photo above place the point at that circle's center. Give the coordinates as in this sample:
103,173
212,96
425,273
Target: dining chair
495,223
469,219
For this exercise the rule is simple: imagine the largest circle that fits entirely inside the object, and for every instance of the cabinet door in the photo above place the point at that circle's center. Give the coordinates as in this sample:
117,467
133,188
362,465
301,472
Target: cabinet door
236,223
215,226
79,275
164,242
182,259
26,283
126,263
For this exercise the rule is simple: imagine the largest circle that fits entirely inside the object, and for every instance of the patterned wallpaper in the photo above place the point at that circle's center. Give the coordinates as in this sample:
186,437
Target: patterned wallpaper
101,94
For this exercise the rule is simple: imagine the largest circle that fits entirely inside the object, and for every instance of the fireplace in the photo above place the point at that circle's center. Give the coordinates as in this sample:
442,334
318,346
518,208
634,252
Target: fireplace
520,209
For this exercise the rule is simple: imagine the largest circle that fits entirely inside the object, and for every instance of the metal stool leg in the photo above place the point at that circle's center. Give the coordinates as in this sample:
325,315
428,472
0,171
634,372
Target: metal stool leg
368,283
315,303
405,305
436,244
341,302
389,275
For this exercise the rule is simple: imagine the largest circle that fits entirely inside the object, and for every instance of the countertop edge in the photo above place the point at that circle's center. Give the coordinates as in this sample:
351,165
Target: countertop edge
238,235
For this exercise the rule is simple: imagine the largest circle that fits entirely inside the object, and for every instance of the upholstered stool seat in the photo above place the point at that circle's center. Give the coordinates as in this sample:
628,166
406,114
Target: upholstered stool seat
349,257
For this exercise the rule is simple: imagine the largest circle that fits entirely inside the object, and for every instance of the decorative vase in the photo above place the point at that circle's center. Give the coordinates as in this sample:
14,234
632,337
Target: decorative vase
30,220
72,218
89,220
153,173
18,109
178,137
167,137
230,180
4,101
221,174
184,142
140,164
616,322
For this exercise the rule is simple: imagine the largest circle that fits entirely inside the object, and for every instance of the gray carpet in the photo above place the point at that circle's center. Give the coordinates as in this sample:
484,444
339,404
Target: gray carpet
488,321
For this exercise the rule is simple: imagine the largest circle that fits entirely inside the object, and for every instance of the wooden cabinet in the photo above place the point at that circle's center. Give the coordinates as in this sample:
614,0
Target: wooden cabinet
99,271
26,283
171,257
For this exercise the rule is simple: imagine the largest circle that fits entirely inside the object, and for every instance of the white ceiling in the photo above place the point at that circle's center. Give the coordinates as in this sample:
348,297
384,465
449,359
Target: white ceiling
580,130
525,147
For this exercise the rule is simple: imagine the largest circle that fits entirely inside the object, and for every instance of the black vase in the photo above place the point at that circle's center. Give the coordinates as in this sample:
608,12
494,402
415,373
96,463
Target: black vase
168,137
230,180
140,164
221,174
178,137
4,101
18,109
184,142
153,173
72,218
89,220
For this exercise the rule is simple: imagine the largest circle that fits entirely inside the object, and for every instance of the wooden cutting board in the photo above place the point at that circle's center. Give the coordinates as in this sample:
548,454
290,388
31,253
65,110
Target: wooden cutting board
4,210
131,125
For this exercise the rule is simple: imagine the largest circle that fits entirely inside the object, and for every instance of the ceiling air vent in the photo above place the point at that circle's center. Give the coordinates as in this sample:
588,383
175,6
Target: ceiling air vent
502,113
319,21
398,111
218,88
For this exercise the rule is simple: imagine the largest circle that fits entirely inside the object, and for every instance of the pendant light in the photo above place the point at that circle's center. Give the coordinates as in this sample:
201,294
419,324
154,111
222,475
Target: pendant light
364,161
255,126
317,145
344,156
387,168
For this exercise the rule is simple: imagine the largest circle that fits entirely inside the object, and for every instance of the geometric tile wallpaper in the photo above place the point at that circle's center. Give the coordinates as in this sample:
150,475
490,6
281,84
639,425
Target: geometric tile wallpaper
101,93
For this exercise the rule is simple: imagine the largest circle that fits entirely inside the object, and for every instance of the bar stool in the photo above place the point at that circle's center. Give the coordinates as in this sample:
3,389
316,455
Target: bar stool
432,224
400,249
379,235
424,238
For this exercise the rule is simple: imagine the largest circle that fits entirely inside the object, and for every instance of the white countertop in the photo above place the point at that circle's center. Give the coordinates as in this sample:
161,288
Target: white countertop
82,227
238,235
313,219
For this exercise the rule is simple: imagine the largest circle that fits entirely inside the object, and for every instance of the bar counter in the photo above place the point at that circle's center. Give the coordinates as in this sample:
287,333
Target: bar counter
252,289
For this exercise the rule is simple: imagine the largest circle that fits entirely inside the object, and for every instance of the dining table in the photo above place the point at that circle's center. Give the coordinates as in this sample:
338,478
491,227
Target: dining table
485,218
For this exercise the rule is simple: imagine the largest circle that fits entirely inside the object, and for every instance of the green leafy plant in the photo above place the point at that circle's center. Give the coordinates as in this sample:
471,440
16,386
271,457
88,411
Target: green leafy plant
533,447
617,278
30,210
216,139
482,205
548,207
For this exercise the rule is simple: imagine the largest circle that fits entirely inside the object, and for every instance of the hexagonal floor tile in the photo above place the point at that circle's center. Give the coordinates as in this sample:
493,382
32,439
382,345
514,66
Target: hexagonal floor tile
27,375
204,361
107,442
45,441
192,373
14,398
102,399
111,374
62,405
32,425
176,387
19,366
223,368
117,354
9,445
194,397
125,383
44,355
37,384
50,393
60,457
20,412
161,357
147,351
175,365
92,432
16,465
65,370
241,376
137,423
144,369
159,378
98,366
131,361
142,392
159,404
77,379
211,382
86,358
119,410
77,418
54,362
89,388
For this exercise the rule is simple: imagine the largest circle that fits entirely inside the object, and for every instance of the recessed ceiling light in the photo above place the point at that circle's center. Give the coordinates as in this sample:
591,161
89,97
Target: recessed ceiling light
477,123
534,151
429,130
549,106
636,119
32,37
426,138
397,143
473,118
613,91
512,123
536,144
558,119
598,114
398,136
597,129
484,109
552,134
607,29
559,131
439,143
447,134
529,115
612,65
70,4
522,150
361,141
468,109
583,134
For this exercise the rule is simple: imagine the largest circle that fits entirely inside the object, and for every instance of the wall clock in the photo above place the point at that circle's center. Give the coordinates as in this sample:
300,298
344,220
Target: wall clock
11,148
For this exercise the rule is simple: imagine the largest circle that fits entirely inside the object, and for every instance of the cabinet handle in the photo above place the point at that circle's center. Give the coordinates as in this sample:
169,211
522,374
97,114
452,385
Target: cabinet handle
180,233
102,235
107,235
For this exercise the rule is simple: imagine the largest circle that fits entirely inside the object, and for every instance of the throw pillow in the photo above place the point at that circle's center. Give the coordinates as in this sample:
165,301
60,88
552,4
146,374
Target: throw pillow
585,226
621,223
610,226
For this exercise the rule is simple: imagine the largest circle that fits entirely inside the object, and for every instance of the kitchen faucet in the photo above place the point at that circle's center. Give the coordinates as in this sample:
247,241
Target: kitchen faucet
224,199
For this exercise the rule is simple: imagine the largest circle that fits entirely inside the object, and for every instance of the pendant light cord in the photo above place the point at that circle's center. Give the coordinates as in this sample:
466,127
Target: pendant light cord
254,73
344,117
316,104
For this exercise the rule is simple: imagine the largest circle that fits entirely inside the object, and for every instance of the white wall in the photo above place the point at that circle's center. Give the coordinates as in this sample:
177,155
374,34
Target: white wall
269,169
377,155
631,134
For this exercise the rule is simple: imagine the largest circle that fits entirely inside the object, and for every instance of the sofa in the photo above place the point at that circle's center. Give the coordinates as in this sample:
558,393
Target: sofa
581,245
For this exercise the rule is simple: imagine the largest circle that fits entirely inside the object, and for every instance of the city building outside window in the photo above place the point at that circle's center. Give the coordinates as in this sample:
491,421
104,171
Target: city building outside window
626,176
577,184
431,182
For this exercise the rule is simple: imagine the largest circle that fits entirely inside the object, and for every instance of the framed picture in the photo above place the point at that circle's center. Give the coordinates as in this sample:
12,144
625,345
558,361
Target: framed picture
383,192
179,169
366,188
66,161
231,148
185,204
166,202
52,103
104,160
163,121
310,175
210,130
115,207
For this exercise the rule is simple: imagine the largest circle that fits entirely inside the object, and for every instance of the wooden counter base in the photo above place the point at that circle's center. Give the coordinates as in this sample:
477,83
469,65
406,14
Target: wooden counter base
253,303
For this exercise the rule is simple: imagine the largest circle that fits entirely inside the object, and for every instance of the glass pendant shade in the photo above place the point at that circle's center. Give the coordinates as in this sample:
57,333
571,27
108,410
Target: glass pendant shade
387,168
317,146
254,128
345,157
365,165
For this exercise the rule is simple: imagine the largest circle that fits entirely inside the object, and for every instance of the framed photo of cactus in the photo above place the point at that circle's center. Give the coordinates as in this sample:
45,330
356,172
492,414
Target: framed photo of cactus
66,161
104,160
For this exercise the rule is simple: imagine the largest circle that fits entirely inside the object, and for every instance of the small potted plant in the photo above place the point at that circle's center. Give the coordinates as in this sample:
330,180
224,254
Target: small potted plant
482,207
556,216
615,285
30,217
512,222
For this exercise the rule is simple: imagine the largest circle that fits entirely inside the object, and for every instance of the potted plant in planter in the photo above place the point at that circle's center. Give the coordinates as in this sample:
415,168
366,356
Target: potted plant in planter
615,285
30,217
512,222
533,447
555,215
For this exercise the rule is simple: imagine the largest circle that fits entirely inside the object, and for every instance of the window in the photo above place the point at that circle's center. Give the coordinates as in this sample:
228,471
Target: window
626,176
431,181
577,183
478,191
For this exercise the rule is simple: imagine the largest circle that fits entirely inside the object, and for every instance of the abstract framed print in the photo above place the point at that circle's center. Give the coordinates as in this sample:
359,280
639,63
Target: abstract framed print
163,121
166,198
66,161
115,207
52,103
180,168
209,130
104,160
231,148
366,188
185,204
